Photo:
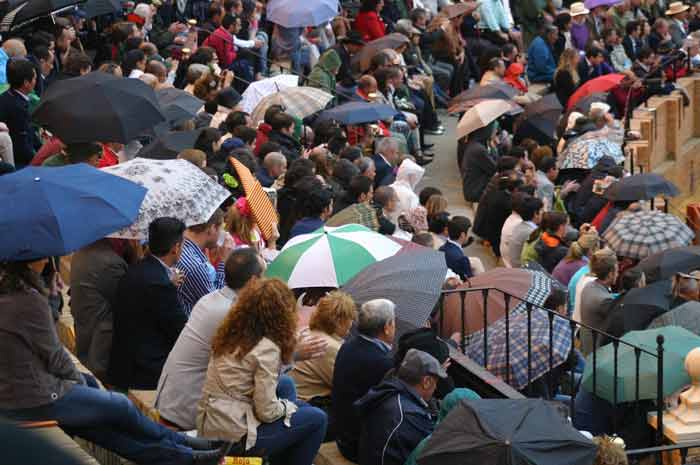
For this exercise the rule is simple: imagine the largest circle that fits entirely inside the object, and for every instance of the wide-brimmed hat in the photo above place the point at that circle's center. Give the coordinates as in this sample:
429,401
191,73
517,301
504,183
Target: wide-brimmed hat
675,8
578,9
353,37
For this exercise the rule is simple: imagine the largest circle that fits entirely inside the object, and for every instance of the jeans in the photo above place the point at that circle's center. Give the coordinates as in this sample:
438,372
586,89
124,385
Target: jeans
298,444
262,67
111,421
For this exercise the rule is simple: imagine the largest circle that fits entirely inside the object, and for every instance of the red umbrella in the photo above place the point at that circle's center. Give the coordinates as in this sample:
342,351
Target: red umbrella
599,84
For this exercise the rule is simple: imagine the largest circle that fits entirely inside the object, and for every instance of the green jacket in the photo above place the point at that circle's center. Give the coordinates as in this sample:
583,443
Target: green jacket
323,74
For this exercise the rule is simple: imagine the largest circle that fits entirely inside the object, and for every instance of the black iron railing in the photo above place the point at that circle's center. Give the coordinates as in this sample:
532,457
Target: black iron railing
573,326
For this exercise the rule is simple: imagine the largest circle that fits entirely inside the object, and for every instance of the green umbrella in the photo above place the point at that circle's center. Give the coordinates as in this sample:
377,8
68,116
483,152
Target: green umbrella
677,343
330,257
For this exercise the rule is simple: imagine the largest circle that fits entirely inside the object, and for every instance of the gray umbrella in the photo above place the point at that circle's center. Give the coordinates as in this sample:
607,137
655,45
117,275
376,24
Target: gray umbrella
412,280
686,316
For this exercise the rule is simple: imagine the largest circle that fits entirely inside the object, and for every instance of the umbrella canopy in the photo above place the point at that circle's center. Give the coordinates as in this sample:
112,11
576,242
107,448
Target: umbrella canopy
644,186
358,113
45,209
260,204
597,85
495,90
505,431
481,115
663,265
167,145
461,107
517,373
393,41
590,4
584,105
677,343
524,285
687,316
296,101
258,90
330,257
178,105
24,13
640,306
357,213
293,13
540,119
98,107
459,9
586,151
95,8
638,235
412,280
176,188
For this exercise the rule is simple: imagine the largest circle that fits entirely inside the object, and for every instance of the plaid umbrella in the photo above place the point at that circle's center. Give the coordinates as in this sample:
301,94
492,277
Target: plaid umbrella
686,316
393,41
517,373
584,152
638,235
176,188
411,280
297,101
330,257
261,206
357,213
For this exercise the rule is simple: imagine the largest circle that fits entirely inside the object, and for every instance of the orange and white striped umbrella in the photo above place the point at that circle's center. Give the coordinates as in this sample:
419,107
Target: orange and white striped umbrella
261,206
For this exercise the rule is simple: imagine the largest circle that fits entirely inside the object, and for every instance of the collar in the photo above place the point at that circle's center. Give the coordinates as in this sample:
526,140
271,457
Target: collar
377,342
25,97
227,293
167,268
530,223
453,242
384,158
549,240
415,394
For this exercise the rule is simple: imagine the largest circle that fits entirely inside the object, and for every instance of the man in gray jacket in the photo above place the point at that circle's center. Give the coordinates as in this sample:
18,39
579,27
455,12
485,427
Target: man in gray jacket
530,210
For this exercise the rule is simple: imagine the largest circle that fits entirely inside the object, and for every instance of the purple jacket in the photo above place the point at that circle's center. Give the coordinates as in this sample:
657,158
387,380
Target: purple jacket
564,270
580,35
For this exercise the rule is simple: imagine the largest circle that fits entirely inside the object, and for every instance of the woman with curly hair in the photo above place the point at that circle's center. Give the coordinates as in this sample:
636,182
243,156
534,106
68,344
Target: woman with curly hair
244,395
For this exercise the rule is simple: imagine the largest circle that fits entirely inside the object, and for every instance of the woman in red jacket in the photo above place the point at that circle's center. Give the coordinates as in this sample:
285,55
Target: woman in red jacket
368,22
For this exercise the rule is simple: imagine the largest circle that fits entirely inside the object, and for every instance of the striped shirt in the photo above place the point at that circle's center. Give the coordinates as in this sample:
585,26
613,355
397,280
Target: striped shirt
201,277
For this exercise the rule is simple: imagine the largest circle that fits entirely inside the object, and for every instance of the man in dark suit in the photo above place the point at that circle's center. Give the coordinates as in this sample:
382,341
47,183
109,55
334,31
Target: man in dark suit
632,42
591,65
458,231
147,315
361,363
14,110
384,161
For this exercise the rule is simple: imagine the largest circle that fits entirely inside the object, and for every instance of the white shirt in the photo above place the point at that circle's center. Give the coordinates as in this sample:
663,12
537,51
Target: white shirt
506,234
243,43
580,285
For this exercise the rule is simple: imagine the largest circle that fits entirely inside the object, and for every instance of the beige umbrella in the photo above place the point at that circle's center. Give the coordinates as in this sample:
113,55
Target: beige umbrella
482,114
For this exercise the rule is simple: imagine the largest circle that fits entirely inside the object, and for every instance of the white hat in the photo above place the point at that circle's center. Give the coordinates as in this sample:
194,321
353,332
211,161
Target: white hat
675,8
604,107
578,9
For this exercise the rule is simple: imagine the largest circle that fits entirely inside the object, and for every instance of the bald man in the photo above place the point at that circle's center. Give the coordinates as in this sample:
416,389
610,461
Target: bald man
11,48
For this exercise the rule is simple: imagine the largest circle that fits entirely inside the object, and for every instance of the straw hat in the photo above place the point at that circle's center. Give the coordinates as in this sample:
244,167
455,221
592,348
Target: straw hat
675,8
578,9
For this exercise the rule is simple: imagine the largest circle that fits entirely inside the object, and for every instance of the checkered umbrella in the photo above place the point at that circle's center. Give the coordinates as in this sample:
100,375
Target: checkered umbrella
411,280
297,101
638,235
357,213
515,372
585,152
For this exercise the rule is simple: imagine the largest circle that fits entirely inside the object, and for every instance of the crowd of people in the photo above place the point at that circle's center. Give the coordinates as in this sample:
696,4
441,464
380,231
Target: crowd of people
253,365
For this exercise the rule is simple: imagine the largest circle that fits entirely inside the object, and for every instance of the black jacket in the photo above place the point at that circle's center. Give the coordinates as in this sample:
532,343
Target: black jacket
344,76
14,112
147,321
384,172
394,420
477,164
290,148
493,210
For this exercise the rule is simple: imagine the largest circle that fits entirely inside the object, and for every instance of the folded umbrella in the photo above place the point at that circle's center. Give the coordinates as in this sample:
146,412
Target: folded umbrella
540,120
45,210
644,186
258,90
260,204
677,343
167,145
25,13
640,234
412,280
330,257
94,8
176,188
505,431
587,150
294,13
495,90
599,84
358,113
516,372
481,115
687,316
357,213
665,264
98,107
361,60
296,101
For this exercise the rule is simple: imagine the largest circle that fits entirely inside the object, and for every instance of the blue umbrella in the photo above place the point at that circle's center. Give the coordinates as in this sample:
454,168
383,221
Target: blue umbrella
297,13
358,113
54,211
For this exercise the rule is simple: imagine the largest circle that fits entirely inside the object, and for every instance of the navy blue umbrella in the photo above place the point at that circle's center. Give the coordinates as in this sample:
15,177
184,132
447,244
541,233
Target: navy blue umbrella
53,211
358,113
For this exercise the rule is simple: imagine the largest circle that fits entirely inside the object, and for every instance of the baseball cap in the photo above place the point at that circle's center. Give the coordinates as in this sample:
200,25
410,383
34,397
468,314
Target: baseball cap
417,364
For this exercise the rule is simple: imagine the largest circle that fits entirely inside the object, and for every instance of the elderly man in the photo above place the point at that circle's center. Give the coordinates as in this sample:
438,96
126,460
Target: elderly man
384,160
11,48
361,363
274,165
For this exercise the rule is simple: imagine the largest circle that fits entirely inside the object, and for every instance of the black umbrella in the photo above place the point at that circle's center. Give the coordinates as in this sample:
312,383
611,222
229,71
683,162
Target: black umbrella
178,105
95,8
168,144
584,105
640,306
358,112
98,107
507,432
665,264
24,13
644,186
494,90
540,120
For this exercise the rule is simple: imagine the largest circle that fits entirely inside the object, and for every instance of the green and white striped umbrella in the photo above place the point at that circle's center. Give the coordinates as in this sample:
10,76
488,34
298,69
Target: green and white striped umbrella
330,257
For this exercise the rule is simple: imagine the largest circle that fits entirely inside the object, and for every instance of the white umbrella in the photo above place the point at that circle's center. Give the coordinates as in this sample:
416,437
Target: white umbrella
257,90
482,114
176,188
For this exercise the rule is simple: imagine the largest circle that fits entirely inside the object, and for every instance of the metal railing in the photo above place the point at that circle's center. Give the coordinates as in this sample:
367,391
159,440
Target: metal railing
573,327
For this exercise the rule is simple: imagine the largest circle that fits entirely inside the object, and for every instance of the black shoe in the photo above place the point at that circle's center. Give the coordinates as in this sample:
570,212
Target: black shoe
434,132
201,443
430,155
207,457
427,146
421,161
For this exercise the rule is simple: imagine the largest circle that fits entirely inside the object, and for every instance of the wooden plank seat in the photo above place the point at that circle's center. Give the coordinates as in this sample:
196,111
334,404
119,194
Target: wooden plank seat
329,454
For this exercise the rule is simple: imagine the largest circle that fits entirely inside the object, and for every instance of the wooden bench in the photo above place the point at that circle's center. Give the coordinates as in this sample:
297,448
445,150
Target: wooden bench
329,454
145,401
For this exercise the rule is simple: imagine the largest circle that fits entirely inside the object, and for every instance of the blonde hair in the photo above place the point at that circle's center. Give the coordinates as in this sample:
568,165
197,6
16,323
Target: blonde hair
332,312
436,204
609,452
567,62
239,225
